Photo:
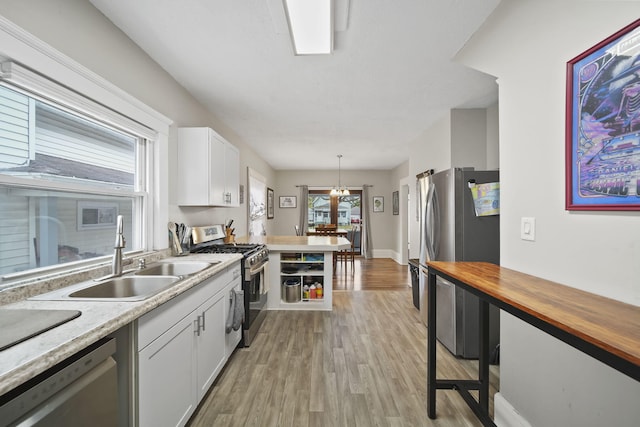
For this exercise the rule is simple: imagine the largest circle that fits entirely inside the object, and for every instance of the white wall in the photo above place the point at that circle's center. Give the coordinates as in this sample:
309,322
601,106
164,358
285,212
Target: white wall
468,138
77,29
526,44
493,137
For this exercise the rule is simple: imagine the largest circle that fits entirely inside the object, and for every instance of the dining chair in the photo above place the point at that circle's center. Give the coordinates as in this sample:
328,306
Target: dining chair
348,255
326,229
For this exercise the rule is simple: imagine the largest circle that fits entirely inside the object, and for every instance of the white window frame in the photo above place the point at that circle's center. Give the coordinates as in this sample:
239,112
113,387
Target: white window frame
69,84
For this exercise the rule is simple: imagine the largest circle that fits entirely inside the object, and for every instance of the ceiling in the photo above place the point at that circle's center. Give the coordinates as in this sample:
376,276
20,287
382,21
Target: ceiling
389,78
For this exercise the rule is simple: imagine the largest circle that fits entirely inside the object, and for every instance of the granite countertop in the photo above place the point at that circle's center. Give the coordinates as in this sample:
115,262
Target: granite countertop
299,243
98,319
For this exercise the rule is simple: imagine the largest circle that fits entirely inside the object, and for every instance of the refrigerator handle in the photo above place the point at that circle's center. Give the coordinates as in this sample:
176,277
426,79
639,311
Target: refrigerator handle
435,206
432,219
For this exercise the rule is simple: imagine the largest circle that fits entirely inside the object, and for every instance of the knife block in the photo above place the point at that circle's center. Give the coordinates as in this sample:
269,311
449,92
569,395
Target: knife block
229,237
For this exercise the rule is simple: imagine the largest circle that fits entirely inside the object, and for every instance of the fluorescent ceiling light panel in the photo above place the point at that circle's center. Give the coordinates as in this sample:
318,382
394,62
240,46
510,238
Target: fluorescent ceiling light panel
310,25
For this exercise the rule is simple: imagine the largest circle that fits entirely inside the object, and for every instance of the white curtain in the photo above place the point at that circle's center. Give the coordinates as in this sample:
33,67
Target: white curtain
367,247
304,209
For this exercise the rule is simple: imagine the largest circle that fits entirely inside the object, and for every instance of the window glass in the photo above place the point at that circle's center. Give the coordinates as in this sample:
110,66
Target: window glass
319,209
63,180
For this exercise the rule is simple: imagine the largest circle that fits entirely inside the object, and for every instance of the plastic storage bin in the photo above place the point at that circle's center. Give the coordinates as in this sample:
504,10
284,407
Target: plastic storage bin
414,268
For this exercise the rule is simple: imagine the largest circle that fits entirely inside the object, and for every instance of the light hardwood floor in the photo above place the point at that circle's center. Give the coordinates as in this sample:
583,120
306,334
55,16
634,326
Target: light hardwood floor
362,364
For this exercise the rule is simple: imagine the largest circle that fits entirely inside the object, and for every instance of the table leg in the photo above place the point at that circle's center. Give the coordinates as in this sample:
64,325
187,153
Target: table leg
483,362
431,345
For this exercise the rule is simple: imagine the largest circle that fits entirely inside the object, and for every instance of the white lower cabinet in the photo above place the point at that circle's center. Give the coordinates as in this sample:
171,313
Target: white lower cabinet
167,396
210,342
182,347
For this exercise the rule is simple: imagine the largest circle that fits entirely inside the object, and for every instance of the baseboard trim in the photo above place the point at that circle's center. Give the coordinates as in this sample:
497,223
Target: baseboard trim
382,253
388,253
505,415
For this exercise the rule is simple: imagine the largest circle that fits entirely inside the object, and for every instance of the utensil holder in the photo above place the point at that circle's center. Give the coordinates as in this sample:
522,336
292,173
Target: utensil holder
178,248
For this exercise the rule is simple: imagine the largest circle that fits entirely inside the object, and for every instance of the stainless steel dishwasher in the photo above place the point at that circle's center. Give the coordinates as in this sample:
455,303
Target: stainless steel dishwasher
80,391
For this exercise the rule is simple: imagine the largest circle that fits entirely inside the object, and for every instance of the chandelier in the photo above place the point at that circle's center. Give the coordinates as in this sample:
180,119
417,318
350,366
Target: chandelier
340,190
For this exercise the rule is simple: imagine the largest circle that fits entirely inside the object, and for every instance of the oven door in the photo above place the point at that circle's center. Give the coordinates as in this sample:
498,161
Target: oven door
256,288
257,281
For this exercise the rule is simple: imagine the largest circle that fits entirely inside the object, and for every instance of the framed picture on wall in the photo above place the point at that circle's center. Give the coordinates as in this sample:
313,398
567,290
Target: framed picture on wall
256,203
378,204
395,201
270,201
288,201
603,125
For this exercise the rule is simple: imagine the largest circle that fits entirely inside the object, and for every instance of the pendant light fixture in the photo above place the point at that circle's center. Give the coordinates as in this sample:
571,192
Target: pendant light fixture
340,190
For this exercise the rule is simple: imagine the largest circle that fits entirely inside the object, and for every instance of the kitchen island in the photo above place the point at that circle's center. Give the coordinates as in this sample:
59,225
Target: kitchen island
300,273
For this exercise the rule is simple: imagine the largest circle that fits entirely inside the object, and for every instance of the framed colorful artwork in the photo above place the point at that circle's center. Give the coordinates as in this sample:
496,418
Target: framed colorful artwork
603,125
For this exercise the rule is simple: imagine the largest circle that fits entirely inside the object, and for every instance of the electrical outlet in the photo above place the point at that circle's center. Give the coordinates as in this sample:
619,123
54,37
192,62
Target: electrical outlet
528,228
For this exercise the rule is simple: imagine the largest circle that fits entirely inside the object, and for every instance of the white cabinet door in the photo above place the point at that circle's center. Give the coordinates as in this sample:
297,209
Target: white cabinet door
232,174
208,169
166,380
210,342
216,176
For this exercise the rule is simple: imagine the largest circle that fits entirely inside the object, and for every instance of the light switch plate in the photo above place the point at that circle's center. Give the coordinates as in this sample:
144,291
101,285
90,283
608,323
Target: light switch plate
528,228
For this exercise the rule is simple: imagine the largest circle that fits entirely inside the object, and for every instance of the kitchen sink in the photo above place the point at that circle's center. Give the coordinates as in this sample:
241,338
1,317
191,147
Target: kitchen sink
130,288
143,284
183,268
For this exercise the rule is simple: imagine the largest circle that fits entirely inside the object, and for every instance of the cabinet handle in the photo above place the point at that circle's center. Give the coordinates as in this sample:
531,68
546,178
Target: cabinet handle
203,313
196,324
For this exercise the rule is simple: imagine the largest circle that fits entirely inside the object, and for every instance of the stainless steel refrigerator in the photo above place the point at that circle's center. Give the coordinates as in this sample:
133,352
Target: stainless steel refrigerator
451,231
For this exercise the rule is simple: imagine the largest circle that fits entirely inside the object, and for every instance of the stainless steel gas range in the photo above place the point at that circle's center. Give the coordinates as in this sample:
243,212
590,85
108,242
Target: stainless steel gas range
255,283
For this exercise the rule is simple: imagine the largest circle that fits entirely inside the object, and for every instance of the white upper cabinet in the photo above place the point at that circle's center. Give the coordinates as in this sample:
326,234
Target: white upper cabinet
208,169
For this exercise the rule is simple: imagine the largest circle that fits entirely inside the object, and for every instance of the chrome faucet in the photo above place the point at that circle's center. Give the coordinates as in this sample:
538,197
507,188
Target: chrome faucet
118,246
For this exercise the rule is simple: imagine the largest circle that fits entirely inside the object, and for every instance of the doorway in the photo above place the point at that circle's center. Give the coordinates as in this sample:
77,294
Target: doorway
344,211
404,223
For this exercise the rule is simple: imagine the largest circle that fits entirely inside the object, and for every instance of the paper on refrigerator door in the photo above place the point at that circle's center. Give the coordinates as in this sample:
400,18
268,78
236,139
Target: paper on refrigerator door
486,198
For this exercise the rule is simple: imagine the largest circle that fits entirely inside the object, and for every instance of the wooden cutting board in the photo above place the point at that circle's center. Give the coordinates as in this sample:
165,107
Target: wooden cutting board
19,325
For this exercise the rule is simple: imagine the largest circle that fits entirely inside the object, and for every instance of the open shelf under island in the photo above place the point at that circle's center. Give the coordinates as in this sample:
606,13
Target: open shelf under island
300,270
